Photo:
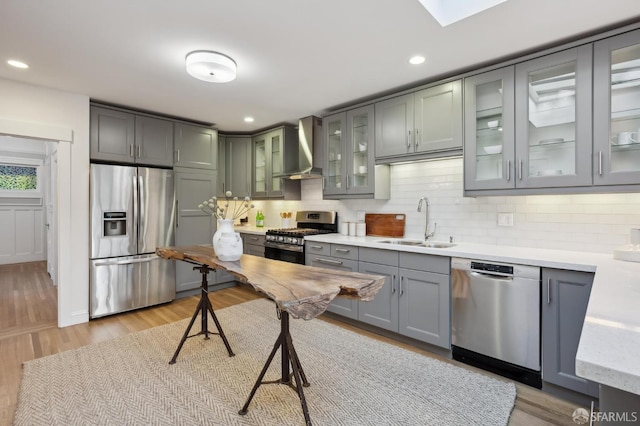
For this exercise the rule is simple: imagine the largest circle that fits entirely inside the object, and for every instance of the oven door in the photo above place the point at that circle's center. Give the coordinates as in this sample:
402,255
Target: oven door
284,252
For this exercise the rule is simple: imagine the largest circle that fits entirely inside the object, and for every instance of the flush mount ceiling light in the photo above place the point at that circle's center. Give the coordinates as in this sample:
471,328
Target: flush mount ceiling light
210,66
416,60
248,119
17,64
447,12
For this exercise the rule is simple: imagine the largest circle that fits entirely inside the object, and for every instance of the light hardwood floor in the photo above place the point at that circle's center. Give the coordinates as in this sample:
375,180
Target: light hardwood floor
28,330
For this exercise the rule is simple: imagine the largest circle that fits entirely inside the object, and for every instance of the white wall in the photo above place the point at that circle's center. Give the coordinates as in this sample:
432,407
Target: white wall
22,231
38,112
586,222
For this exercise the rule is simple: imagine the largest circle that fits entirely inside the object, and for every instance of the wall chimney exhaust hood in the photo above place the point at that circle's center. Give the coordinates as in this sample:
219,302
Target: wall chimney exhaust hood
309,150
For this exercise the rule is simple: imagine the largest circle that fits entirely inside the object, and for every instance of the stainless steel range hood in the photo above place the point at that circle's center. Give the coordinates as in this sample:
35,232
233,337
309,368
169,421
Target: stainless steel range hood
309,150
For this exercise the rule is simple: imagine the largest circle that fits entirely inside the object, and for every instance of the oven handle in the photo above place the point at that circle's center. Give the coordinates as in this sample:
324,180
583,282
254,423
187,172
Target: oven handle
330,262
285,247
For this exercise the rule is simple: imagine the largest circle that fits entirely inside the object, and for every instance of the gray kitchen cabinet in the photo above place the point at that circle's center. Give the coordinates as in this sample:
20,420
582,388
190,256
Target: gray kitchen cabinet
424,298
382,311
238,172
124,137
195,147
565,295
616,113
349,167
153,141
489,141
112,135
528,126
553,120
415,298
193,226
335,256
273,153
253,244
419,124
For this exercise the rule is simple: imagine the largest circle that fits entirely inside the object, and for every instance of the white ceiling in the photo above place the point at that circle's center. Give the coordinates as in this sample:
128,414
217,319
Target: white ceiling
295,57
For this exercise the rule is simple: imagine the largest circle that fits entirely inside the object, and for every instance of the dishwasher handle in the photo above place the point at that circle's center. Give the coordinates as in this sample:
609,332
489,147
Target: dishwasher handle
491,275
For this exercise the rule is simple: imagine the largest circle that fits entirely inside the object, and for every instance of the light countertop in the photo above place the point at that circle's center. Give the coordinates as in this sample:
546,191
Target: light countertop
609,348
250,229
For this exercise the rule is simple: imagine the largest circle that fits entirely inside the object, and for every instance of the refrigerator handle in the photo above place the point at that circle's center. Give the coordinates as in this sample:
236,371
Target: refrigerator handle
177,213
135,205
127,261
142,215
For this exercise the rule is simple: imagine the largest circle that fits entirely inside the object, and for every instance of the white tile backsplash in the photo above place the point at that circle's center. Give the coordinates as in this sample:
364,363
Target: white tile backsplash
582,222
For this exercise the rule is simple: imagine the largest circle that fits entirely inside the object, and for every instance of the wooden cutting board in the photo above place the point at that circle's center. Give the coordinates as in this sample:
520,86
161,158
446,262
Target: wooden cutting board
385,224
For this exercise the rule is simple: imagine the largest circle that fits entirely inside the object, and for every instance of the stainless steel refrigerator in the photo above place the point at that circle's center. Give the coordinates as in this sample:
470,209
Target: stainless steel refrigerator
132,213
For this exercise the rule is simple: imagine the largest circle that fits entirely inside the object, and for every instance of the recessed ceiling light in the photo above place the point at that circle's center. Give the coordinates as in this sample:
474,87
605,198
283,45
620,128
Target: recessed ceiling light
17,64
210,66
416,60
449,11
248,119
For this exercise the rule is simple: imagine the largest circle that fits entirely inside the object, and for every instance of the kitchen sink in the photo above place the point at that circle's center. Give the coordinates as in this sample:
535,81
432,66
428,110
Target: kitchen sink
417,243
402,242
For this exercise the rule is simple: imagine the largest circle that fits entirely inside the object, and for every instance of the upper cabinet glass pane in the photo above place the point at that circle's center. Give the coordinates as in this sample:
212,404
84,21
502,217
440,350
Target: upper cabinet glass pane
260,183
489,134
625,109
334,136
360,149
552,120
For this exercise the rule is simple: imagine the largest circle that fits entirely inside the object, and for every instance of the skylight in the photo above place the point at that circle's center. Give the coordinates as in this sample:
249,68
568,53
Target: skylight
447,12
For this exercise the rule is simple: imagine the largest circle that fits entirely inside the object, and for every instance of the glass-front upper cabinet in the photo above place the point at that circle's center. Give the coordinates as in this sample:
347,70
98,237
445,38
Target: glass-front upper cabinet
361,144
617,110
553,120
335,166
489,129
259,175
277,157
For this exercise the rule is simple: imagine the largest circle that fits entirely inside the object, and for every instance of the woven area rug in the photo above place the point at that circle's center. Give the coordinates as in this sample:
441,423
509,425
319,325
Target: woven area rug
355,380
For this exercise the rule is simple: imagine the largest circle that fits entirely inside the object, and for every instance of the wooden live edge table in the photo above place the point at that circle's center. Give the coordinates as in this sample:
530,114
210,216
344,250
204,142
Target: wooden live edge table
299,291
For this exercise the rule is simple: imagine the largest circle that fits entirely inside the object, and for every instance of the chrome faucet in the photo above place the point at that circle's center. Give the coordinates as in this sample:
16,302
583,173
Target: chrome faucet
427,235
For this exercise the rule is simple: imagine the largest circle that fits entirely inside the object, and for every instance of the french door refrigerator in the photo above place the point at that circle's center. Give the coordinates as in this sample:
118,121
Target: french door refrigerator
132,213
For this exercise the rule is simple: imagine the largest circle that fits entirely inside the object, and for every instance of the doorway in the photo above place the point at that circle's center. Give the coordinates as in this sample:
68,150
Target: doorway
28,207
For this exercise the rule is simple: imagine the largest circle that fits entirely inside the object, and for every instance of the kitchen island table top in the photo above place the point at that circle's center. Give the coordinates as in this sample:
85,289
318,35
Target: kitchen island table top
302,291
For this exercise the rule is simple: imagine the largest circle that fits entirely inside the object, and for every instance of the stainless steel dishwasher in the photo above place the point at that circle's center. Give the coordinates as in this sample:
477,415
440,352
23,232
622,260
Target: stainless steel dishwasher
495,318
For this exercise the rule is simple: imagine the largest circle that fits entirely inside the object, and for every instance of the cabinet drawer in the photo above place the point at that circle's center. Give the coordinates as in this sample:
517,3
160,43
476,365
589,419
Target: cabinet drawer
425,262
252,239
312,247
344,252
380,257
332,263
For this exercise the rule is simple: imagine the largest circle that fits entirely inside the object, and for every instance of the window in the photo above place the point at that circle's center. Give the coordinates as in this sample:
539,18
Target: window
20,177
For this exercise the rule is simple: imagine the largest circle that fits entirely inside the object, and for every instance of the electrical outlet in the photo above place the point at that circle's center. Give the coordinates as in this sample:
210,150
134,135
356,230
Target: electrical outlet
360,215
505,219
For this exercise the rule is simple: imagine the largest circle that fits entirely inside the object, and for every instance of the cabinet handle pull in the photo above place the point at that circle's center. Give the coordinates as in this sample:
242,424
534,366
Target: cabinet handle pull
331,262
177,212
316,247
401,289
343,250
393,283
178,155
323,183
600,163
508,170
347,181
548,291
408,140
520,169
417,138
131,150
255,239
139,151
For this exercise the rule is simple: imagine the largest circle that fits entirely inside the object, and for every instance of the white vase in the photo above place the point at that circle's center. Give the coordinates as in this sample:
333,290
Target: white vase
227,243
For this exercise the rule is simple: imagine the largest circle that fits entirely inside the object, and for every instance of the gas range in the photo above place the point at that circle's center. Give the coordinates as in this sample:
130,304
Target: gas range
288,243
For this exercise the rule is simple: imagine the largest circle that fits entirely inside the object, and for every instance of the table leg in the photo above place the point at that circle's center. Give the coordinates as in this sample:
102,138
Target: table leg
288,357
204,307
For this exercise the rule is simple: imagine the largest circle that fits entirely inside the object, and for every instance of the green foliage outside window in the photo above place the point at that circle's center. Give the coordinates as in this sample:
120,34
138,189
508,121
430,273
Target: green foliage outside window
18,178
